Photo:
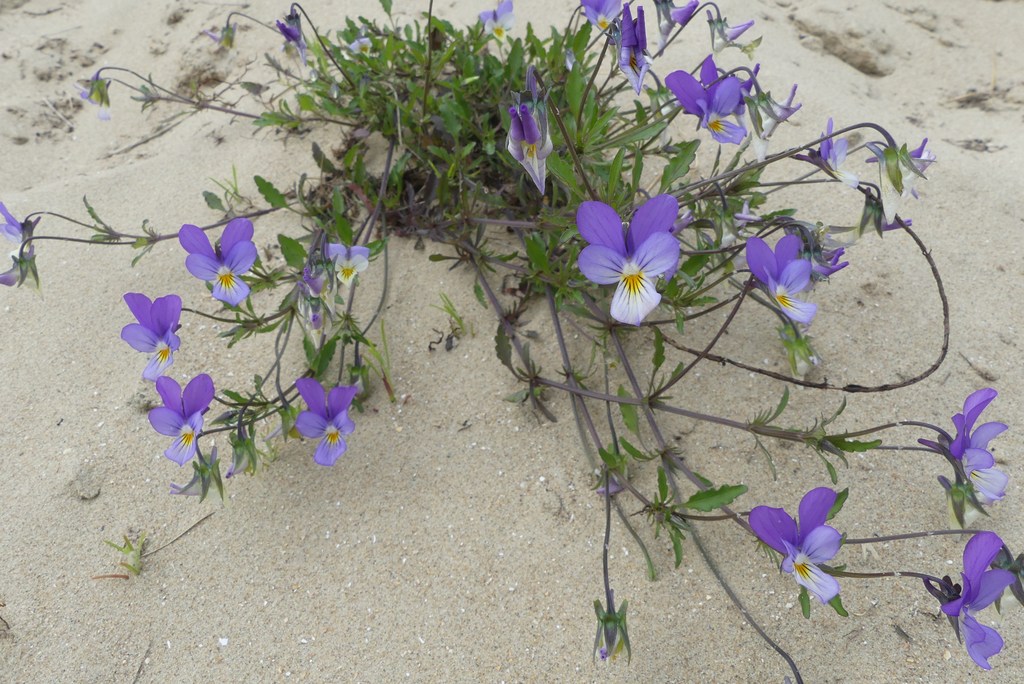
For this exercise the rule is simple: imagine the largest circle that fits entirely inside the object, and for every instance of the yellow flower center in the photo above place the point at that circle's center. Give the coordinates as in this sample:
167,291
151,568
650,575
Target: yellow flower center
716,125
163,353
226,280
783,299
187,437
499,31
802,569
602,22
529,150
347,273
633,282
333,436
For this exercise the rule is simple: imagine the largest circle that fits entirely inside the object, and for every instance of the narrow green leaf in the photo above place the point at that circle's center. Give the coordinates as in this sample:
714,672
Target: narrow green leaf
503,347
679,166
805,603
659,349
629,414
853,445
710,499
322,161
837,605
662,484
838,505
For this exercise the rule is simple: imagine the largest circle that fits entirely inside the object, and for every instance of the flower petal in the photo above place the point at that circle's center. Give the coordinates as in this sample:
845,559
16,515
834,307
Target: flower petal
202,266
977,459
821,544
170,392
165,313
795,276
991,587
774,527
197,395
238,230
761,260
233,293
601,265
600,225
630,305
656,215
978,554
816,581
241,257
195,241
798,310
982,642
166,421
156,366
326,453
989,484
310,424
313,394
140,306
658,254
814,508
340,398
139,337
986,433
688,91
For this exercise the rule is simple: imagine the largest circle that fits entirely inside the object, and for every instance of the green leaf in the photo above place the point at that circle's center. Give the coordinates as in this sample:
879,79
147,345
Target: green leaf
805,603
537,252
629,415
632,450
837,605
853,445
323,358
503,348
680,164
659,349
270,193
294,253
322,161
479,292
213,201
386,5
662,485
677,545
838,505
710,499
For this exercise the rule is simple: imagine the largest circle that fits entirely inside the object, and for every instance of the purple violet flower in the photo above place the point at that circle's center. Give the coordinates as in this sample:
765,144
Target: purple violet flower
361,46
291,29
765,115
14,231
96,91
348,261
669,15
723,35
633,47
806,546
783,274
831,156
981,586
633,260
499,21
325,419
226,37
971,447
711,100
601,13
226,265
154,332
181,416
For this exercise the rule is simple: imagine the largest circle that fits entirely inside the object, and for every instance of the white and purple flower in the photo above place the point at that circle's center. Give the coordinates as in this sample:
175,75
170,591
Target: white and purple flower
783,273
632,46
711,100
224,266
601,13
327,418
632,260
155,331
181,416
498,22
970,446
348,260
805,545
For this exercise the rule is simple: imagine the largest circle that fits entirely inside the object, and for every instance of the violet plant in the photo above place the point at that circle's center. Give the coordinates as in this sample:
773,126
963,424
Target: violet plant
509,155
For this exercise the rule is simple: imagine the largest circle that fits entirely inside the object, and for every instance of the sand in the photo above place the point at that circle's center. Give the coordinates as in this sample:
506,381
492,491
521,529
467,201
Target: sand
459,539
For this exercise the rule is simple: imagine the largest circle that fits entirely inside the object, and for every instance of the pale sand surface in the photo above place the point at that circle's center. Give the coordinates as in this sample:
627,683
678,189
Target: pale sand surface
458,539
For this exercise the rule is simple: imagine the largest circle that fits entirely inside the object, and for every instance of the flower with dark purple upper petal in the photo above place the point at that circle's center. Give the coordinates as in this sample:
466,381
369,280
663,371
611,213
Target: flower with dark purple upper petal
634,260
154,332
683,15
711,100
291,29
529,140
722,34
831,156
803,546
326,420
633,47
224,266
181,416
783,273
601,13
981,586
498,22
971,447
